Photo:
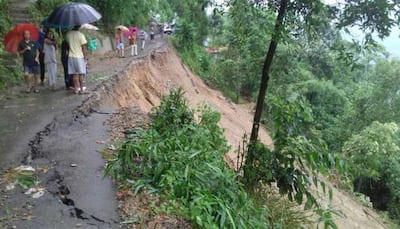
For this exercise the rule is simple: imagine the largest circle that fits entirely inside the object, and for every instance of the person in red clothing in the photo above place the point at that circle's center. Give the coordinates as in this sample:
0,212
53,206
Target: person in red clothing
133,44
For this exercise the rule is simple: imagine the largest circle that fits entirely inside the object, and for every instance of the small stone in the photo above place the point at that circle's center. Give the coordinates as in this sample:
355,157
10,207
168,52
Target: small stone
74,165
78,225
14,227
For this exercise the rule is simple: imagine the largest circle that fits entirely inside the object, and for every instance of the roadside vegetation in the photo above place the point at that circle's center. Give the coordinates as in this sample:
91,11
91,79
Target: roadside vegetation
7,75
180,158
332,103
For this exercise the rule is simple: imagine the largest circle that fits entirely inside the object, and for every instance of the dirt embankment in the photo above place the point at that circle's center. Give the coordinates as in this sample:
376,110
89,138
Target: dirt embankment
146,80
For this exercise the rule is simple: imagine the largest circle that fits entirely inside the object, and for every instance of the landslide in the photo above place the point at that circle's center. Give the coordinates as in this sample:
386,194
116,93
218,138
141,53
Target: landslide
144,81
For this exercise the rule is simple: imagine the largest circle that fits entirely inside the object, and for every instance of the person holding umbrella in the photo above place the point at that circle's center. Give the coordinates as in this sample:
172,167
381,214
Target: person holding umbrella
30,55
74,14
76,58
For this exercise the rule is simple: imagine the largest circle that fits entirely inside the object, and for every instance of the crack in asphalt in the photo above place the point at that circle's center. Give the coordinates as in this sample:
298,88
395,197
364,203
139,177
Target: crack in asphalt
35,144
63,192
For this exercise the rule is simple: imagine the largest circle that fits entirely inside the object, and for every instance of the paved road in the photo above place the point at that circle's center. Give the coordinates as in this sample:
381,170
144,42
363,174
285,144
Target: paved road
43,130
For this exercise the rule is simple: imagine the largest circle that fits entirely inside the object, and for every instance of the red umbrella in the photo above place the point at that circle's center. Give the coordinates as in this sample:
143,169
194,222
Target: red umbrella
16,35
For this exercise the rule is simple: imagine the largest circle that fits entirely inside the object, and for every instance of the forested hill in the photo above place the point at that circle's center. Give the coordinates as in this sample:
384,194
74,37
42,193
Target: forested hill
331,105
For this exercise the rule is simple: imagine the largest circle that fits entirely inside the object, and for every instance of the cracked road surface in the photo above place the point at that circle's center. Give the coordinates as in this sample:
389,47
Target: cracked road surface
47,131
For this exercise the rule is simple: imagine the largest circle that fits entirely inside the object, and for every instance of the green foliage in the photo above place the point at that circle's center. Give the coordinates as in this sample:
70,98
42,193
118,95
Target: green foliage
192,21
182,160
374,154
344,86
368,150
196,58
238,69
377,16
119,12
191,30
26,179
5,23
8,75
295,162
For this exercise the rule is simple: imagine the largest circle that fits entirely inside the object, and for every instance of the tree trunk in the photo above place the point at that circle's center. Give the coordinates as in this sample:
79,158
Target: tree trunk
250,176
265,73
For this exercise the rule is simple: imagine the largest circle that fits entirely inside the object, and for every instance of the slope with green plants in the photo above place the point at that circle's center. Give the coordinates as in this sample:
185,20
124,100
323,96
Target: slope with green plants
181,159
346,91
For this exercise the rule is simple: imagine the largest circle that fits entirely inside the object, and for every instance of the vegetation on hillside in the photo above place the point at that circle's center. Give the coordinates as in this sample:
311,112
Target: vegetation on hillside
180,158
344,91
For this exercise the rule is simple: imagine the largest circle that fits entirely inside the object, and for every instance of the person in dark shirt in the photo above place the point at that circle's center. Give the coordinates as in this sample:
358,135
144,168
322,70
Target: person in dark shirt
30,53
64,61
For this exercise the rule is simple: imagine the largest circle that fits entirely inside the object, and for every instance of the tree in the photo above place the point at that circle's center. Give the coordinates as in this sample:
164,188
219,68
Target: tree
369,16
118,12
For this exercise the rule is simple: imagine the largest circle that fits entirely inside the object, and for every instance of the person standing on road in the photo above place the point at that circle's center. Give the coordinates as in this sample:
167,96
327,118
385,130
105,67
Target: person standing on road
64,61
76,58
161,28
133,44
42,35
49,48
30,54
119,43
142,38
152,32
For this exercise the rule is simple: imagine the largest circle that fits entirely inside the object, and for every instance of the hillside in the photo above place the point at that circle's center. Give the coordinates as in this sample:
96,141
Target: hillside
145,81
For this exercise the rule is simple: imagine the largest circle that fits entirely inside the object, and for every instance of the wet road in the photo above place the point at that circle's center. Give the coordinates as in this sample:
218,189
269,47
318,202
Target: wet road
23,115
46,130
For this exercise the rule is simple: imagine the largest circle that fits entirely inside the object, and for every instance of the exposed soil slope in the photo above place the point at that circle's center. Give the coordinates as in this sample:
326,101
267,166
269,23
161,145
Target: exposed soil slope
146,80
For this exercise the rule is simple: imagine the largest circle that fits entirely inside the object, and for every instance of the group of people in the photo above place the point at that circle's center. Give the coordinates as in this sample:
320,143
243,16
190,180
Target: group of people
41,54
34,59
132,38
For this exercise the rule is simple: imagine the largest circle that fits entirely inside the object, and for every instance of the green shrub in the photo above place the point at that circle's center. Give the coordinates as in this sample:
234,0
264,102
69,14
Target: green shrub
195,57
374,162
8,75
5,23
182,160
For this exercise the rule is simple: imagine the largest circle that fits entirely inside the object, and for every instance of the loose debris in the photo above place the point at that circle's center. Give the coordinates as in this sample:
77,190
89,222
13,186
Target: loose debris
35,193
23,176
125,121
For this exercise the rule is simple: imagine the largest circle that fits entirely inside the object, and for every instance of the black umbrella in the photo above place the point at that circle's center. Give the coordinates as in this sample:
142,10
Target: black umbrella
72,14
